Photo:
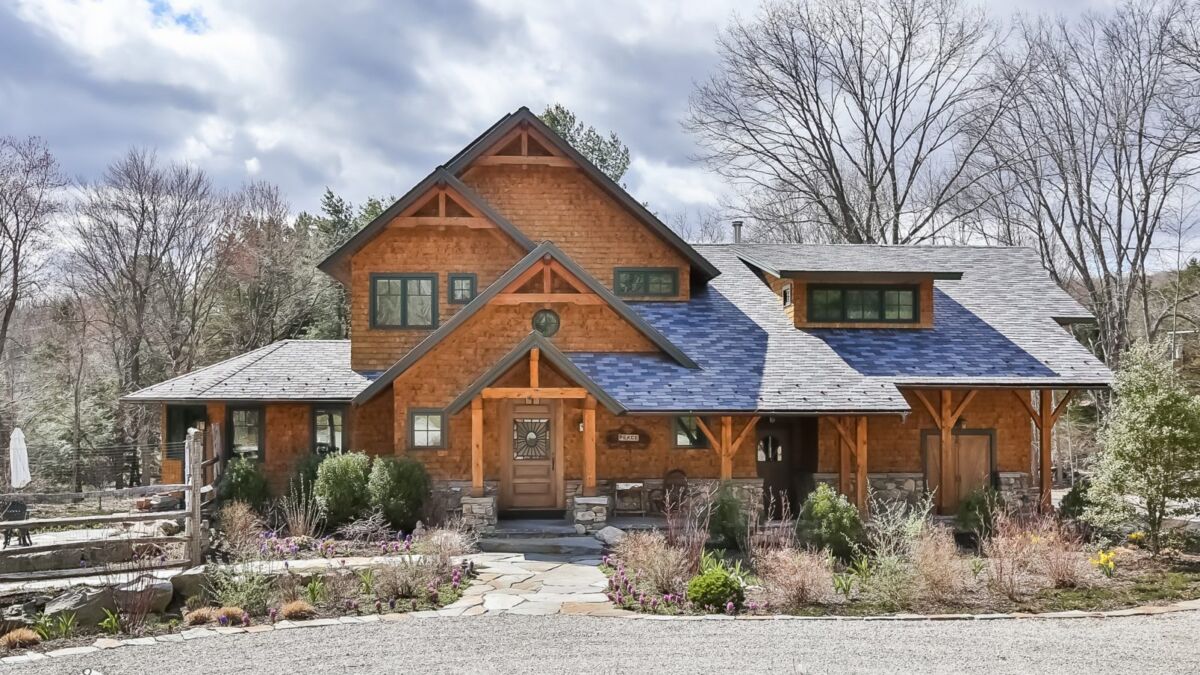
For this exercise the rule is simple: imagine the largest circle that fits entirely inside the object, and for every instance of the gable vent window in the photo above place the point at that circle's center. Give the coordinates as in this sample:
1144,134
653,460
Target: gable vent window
462,288
633,282
862,304
787,294
404,300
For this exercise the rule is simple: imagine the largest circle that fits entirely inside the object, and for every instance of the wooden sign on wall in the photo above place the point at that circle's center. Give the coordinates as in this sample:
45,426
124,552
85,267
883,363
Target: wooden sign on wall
627,436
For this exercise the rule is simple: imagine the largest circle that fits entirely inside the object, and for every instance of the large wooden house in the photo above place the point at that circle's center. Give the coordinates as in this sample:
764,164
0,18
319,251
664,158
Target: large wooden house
540,341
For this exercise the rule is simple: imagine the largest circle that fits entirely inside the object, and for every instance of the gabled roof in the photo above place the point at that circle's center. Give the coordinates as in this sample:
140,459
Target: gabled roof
289,370
989,273
544,249
783,259
550,354
336,264
489,138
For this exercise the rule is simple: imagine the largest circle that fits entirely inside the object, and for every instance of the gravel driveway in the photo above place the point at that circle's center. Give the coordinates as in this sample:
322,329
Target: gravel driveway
557,644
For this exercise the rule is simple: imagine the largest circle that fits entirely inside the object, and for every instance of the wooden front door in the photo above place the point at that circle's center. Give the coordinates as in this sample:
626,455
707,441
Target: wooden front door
775,455
532,446
974,462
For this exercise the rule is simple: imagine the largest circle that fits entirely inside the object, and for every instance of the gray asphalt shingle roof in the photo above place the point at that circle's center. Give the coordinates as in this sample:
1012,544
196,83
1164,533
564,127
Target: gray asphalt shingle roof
996,325
307,370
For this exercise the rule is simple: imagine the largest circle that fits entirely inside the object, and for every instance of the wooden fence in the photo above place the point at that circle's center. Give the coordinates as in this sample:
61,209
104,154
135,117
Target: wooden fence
197,496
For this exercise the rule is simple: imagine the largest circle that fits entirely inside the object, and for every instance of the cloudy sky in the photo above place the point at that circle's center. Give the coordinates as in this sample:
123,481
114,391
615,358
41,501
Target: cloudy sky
364,97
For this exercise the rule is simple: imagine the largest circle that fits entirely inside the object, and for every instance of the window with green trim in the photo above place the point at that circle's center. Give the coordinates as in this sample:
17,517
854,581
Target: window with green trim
637,281
688,434
404,300
862,304
462,288
426,429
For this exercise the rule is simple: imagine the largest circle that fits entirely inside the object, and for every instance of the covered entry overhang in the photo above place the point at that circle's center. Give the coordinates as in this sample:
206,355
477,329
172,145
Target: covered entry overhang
536,349
946,405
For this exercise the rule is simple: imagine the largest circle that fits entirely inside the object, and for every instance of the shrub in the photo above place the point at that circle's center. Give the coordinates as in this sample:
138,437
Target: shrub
793,579
19,638
715,588
398,487
305,472
244,481
297,610
246,588
895,527
829,521
1149,448
889,584
1075,502
728,522
442,544
341,486
1059,555
242,529
1010,549
977,511
938,567
408,578
661,568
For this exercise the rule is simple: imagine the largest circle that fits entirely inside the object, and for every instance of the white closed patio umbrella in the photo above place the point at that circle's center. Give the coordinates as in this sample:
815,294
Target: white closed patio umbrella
18,460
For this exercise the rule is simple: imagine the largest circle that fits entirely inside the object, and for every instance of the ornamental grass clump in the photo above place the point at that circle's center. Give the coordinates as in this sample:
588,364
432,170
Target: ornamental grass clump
200,616
242,529
20,638
297,610
938,566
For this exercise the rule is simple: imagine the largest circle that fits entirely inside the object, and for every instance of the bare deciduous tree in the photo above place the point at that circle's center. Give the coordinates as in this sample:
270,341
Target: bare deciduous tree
270,272
129,225
31,194
1102,137
852,115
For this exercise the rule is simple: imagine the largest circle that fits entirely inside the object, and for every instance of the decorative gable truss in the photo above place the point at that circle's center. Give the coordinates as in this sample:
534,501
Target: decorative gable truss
525,146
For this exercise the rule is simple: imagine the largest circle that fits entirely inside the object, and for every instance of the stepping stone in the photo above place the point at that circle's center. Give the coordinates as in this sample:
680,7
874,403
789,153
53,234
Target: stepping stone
509,579
567,597
424,614
395,616
465,602
107,643
573,575
261,628
143,641
537,608
478,589
71,651
529,585
197,633
536,566
451,611
474,611
581,608
173,637
493,601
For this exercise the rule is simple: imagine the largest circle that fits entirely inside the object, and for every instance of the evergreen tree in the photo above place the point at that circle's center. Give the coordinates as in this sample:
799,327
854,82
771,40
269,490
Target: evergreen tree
609,154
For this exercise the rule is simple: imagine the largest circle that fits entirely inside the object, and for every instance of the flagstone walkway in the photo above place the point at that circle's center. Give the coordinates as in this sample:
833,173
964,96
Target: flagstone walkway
507,583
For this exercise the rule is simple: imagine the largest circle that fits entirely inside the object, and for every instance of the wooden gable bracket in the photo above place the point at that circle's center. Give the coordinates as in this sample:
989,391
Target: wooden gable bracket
1044,419
522,157
547,269
727,446
443,196
945,417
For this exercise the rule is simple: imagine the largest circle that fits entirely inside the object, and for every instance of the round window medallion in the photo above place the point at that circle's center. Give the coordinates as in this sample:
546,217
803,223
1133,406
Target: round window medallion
545,321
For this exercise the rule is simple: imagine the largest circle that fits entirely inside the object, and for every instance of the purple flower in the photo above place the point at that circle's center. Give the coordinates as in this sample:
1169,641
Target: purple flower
392,604
245,618
378,606
273,613
729,607
223,620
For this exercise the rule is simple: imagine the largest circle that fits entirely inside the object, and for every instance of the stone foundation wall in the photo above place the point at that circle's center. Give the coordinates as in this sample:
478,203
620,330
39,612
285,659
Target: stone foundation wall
590,514
1017,488
446,498
480,513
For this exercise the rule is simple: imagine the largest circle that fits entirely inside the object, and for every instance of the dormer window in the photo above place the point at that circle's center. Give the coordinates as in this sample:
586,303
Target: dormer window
862,304
646,281
786,293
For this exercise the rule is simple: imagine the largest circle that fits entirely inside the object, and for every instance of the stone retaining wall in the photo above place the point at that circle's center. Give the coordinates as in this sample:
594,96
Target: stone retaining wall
1016,488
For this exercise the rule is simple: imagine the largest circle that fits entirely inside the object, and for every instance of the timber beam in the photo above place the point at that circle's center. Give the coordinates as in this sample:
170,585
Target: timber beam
1044,418
944,466
727,445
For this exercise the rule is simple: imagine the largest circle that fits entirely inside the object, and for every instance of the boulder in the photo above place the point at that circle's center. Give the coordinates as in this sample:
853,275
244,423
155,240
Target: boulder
21,615
86,603
189,582
611,536
144,594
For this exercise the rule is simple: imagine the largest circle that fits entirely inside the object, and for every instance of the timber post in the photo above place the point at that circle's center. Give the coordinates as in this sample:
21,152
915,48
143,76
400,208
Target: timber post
195,476
589,446
477,447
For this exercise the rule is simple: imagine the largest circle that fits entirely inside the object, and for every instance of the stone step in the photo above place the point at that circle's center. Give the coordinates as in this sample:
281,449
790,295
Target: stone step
582,546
